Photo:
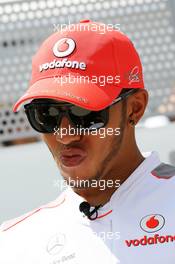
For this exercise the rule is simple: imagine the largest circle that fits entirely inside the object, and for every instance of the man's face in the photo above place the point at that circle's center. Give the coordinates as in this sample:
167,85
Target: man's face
99,152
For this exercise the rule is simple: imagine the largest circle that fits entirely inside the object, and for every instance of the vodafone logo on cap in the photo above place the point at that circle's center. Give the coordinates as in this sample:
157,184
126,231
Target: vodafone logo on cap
64,47
152,223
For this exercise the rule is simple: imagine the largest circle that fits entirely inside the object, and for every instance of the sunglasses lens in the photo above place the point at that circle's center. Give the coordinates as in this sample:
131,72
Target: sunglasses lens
78,111
43,118
46,118
83,118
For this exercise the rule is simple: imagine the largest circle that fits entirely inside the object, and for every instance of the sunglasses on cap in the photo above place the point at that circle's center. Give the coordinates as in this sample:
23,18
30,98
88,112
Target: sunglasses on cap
45,117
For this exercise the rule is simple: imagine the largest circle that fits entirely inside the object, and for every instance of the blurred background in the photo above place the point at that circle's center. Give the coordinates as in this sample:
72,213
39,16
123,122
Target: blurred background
28,175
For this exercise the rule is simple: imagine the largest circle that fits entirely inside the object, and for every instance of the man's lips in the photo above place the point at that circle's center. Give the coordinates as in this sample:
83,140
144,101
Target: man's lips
72,156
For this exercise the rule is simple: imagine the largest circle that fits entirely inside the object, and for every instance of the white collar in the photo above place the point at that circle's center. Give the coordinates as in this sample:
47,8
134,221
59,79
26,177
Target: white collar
151,161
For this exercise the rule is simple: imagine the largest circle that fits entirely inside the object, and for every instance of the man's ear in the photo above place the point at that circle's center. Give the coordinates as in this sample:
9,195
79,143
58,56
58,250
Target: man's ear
136,105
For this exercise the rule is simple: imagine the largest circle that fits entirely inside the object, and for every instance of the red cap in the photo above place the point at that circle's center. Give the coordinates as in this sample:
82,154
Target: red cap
93,65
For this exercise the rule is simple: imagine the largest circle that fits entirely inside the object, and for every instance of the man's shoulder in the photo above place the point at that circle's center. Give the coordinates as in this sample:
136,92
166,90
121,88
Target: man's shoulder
161,181
164,171
7,225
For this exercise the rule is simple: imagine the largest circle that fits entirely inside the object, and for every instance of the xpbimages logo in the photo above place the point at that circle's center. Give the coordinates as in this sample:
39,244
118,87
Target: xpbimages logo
151,224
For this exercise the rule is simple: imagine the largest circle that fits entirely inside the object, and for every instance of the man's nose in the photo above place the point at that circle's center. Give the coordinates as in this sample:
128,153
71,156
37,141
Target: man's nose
67,133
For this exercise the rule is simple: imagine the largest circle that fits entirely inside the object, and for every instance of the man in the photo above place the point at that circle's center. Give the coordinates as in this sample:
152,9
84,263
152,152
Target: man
119,205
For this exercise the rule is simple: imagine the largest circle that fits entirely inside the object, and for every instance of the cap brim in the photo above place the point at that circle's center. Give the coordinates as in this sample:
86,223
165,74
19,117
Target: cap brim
87,94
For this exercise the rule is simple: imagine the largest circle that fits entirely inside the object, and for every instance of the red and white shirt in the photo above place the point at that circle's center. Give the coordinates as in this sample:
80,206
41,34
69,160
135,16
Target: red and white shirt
136,226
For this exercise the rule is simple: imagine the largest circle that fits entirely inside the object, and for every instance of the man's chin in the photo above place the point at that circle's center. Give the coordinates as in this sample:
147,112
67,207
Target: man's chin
79,175
77,178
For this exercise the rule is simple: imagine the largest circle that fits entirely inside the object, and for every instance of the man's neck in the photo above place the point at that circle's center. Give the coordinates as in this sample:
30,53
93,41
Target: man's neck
97,196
